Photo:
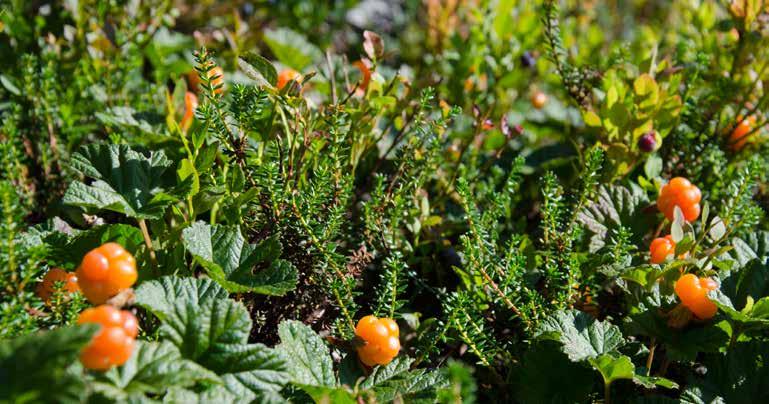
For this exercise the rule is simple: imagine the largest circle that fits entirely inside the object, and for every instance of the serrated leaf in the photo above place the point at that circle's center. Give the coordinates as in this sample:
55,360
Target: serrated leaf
252,370
581,336
308,356
162,296
197,326
124,181
615,206
213,330
395,381
152,369
44,366
258,68
215,394
231,261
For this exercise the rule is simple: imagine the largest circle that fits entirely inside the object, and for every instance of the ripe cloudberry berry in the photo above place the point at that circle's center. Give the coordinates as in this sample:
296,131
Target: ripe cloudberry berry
47,286
113,344
106,271
285,77
680,192
661,248
190,105
538,100
381,337
739,136
693,292
650,141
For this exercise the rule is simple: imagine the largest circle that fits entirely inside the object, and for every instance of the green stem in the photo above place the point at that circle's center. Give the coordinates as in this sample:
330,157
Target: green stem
148,243
607,393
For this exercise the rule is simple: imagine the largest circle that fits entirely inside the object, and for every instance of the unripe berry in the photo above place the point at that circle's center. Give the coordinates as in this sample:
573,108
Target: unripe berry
527,59
650,141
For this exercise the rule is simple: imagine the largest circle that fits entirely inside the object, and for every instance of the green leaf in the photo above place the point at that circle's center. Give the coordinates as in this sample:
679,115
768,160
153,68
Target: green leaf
213,330
152,369
582,337
546,375
394,382
613,367
291,48
258,68
68,252
231,261
651,382
615,206
124,181
163,297
683,345
741,375
215,394
44,366
325,394
252,370
591,119
199,327
755,315
653,166
308,356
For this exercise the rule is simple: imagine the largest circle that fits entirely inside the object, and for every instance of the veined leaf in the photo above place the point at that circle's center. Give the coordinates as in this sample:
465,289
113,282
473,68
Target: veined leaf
308,356
152,369
581,336
395,382
213,330
615,206
124,181
231,261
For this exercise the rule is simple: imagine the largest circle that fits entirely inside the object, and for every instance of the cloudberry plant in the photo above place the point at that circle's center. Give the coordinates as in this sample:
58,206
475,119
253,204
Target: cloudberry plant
680,192
661,248
47,286
381,340
693,292
106,271
113,344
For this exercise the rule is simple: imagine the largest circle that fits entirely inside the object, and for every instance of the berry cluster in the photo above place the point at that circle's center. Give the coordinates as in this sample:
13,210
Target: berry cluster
680,192
381,338
106,271
661,248
693,292
46,288
113,344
